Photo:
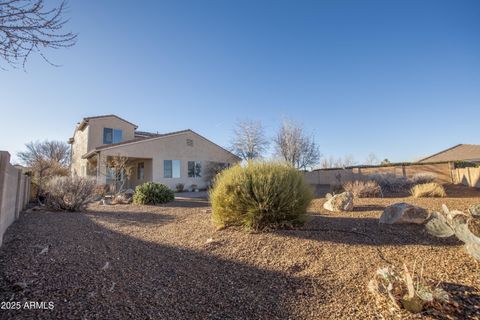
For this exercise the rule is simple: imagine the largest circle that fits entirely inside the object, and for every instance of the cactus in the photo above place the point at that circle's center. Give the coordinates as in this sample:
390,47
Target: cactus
465,227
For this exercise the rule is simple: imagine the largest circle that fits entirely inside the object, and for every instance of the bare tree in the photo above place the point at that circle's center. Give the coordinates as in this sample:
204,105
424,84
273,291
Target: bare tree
348,161
119,171
26,27
295,147
372,159
249,141
46,159
332,162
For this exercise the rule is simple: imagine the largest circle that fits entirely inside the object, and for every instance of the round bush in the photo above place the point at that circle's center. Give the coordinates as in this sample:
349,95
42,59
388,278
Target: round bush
152,193
260,195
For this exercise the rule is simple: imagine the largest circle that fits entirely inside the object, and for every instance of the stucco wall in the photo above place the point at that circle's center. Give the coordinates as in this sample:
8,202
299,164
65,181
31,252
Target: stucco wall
467,176
335,176
79,148
174,147
14,192
92,136
95,132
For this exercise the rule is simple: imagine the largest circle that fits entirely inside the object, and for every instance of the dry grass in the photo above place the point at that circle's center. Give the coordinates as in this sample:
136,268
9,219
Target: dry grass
363,189
169,262
428,190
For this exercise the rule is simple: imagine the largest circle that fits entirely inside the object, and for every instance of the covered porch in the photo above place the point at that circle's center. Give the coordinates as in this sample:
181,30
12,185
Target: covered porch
120,172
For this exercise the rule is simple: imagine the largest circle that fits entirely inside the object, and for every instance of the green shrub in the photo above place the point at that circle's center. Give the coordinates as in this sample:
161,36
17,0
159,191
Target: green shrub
260,195
426,190
152,193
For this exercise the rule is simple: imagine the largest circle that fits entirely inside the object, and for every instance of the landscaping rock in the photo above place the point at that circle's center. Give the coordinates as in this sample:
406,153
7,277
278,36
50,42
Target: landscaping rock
124,197
403,213
340,202
475,210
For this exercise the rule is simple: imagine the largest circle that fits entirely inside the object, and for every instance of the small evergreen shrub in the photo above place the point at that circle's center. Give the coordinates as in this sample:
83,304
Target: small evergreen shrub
260,195
363,189
70,193
432,189
152,193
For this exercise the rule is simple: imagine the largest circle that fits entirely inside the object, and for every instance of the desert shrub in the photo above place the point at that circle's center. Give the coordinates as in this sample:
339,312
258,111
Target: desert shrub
391,183
363,189
423,177
259,196
179,187
413,292
152,193
70,193
431,189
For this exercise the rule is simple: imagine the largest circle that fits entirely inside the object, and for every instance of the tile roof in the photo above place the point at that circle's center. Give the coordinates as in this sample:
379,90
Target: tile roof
465,152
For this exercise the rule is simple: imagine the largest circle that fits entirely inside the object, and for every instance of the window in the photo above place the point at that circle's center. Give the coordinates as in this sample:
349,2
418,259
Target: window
112,135
190,142
194,169
141,171
171,168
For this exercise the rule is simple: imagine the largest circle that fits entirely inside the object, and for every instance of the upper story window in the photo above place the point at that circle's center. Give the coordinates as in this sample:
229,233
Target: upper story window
171,168
112,135
190,142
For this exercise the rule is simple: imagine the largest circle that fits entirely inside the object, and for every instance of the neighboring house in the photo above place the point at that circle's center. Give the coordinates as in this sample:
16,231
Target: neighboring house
169,158
460,152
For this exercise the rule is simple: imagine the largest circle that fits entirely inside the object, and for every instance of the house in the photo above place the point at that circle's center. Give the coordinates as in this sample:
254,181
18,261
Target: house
460,152
168,158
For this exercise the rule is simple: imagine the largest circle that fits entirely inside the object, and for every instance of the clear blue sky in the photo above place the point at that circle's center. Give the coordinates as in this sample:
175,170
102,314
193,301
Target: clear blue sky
397,78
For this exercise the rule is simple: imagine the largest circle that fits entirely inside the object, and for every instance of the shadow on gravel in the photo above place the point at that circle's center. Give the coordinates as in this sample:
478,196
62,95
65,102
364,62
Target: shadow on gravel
364,231
368,208
131,218
188,203
95,273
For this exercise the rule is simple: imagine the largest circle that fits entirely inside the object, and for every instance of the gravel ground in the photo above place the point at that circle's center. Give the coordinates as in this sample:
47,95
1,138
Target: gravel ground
168,262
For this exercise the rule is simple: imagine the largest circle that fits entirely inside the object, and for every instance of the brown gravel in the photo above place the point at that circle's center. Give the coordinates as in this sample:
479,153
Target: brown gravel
168,262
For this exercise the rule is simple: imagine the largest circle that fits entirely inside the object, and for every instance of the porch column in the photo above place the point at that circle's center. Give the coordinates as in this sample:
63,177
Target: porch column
101,169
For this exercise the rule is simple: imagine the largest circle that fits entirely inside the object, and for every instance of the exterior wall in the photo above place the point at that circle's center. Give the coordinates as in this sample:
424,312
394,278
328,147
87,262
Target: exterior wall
79,148
91,137
174,147
336,176
467,176
14,192
95,132
134,181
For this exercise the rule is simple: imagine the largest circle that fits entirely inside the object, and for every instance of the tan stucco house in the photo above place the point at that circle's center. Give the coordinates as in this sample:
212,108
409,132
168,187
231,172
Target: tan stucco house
168,158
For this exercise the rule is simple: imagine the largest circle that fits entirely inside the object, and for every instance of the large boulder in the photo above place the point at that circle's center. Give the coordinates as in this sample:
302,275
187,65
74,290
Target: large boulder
403,213
339,202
